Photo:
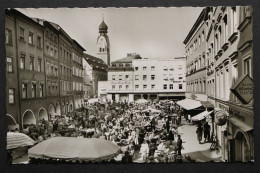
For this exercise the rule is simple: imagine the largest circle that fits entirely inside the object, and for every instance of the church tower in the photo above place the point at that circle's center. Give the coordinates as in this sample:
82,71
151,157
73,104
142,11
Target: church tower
103,45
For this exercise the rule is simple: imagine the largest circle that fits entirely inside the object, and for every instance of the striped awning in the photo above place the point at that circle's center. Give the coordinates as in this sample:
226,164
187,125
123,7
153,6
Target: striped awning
15,140
201,116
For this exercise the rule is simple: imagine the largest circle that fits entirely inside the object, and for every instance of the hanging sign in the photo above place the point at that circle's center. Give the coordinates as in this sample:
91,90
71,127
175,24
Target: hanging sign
243,89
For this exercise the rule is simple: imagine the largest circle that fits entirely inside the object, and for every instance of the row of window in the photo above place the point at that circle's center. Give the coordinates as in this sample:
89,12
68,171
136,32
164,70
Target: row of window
198,64
165,77
65,54
77,86
51,69
31,37
32,65
65,71
37,40
120,77
196,86
33,90
77,72
226,27
121,65
52,88
51,50
102,49
197,42
66,86
76,58
165,86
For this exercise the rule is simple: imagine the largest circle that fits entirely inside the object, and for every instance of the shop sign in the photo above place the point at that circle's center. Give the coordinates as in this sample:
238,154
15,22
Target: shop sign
223,107
236,113
120,82
243,89
220,117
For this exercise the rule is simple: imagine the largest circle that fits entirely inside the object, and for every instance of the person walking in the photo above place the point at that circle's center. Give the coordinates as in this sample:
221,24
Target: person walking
171,137
179,144
206,130
199,133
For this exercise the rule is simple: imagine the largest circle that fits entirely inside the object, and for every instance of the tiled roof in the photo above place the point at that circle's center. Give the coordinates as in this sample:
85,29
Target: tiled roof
95,62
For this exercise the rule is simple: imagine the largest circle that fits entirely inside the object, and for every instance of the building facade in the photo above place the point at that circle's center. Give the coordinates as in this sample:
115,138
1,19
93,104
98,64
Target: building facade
222,44
195,47
25,70
39,70
241,121
133,77
98,71
227,37
87,80
78,75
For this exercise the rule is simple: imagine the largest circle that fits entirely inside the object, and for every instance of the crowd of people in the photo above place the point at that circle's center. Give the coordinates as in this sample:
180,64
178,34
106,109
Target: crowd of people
145,132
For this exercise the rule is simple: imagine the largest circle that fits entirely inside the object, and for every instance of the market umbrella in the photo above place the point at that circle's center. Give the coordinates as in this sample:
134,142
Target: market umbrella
93,100
207,104
15,140
140,101
71,149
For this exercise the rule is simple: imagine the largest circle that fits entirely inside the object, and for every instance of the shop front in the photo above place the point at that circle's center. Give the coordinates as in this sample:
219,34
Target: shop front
241,142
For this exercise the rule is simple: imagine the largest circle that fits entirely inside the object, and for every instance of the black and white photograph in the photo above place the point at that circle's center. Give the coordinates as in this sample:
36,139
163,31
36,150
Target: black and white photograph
129,85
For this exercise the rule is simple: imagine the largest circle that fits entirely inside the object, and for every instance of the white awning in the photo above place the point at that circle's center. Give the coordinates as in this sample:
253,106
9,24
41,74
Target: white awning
201,116
189,104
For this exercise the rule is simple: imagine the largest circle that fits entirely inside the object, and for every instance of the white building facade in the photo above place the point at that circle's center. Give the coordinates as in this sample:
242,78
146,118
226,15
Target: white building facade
132,79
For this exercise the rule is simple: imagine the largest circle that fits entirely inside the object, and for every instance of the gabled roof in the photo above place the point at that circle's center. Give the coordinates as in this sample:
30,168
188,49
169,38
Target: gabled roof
94,62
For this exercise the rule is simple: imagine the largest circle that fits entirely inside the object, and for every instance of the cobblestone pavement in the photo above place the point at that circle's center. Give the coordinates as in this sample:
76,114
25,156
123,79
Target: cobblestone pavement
197,152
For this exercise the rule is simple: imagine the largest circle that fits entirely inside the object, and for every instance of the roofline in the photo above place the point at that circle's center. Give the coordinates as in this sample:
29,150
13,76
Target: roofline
49,25
196,25
85,54
74,41
16,12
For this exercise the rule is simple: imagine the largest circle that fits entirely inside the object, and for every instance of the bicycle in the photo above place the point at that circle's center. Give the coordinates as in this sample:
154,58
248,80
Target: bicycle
215,144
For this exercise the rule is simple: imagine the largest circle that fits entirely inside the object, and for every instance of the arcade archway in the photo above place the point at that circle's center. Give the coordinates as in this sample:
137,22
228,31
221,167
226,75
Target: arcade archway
29,118
242,147
43,114
51,110
11,123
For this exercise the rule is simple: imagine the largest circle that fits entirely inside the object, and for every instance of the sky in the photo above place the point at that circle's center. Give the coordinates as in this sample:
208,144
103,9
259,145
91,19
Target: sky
150,32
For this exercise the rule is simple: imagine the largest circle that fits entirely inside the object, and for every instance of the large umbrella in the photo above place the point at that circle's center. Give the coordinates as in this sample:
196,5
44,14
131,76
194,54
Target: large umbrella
140,101
16,140
93,100
71,149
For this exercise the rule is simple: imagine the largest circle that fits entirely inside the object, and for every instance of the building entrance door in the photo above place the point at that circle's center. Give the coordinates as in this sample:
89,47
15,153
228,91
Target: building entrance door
113,97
